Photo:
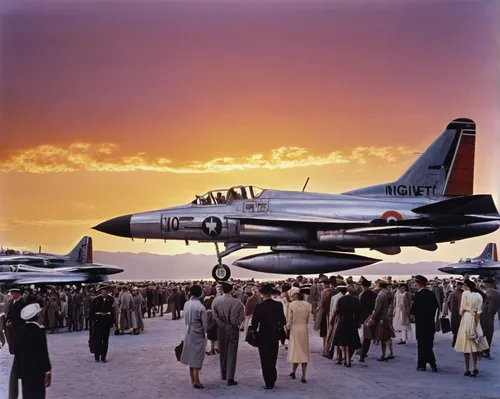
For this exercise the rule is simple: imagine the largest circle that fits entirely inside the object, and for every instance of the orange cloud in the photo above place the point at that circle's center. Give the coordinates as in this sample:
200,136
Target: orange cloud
105,157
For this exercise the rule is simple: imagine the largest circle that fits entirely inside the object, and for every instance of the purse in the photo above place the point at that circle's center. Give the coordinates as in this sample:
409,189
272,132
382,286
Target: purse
251,337
445,325
178,351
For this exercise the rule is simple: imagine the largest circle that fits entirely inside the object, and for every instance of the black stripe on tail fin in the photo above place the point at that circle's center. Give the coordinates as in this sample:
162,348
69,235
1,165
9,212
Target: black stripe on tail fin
82,252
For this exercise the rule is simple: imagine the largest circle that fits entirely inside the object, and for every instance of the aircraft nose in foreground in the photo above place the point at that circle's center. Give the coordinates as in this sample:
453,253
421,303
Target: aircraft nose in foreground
445,269
119,226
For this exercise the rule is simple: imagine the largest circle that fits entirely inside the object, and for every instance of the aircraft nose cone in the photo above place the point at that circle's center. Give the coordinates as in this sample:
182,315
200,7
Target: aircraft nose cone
119,226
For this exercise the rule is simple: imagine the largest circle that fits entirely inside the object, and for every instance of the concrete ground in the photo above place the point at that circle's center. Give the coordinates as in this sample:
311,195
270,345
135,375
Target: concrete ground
145,367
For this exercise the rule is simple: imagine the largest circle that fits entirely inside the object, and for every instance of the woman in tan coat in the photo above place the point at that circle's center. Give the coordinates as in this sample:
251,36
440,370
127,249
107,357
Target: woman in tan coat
297,327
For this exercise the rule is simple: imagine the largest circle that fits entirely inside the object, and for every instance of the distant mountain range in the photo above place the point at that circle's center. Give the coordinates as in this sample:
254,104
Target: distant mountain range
147,266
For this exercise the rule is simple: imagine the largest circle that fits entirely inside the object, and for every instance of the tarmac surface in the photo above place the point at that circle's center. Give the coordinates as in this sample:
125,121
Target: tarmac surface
145,367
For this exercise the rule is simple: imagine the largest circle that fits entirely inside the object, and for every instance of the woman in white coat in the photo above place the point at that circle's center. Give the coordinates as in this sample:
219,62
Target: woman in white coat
195,342
297,327
470,337
401,320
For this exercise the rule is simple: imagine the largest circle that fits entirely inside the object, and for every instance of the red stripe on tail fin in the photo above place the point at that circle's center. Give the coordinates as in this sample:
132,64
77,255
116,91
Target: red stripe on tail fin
495,253
90,252
461,175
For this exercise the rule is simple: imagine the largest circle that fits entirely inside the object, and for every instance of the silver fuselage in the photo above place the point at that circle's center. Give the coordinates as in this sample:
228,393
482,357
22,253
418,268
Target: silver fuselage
185,222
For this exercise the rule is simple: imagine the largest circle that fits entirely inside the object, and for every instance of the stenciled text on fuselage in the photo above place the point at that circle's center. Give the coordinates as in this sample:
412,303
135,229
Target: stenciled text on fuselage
410,191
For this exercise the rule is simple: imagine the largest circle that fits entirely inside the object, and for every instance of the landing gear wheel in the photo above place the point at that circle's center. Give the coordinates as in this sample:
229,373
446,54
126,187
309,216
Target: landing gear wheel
221,273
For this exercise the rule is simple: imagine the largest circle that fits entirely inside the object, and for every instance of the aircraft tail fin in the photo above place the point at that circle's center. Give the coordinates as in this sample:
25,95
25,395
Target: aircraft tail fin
82,252
490,252
446,168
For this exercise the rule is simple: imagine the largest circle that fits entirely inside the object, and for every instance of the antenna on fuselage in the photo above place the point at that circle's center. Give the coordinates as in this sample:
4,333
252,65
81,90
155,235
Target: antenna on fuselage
305,185
39,249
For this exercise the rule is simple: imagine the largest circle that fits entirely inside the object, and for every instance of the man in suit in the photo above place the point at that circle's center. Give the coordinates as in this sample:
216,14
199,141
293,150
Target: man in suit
31,354
13,322
490,308
453,306
367,304
102,312
228,313
323,314
424,307
268,320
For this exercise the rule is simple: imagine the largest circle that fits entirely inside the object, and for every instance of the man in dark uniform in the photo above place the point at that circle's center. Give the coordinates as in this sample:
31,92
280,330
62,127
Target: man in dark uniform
269,320
424,307
102,313
13,322
31,354
367,300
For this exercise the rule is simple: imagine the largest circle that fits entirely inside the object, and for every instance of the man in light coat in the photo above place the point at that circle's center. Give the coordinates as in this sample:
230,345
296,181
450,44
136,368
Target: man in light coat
228,313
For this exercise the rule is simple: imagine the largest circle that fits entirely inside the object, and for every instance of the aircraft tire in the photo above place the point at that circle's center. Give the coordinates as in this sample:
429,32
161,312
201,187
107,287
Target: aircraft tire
218,275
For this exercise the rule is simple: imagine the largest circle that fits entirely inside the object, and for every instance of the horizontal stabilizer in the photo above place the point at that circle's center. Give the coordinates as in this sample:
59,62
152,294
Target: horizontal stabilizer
471,204
388,229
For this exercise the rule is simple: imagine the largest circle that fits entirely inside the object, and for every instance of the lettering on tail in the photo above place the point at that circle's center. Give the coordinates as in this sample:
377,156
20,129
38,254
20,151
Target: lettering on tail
405,190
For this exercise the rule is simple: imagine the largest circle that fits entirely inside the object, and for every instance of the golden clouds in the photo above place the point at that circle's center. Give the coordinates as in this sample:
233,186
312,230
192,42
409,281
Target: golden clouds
49,222
106,157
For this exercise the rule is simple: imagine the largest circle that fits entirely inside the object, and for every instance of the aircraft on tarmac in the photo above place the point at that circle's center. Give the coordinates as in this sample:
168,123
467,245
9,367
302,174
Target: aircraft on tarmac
310,233
484,265
28,268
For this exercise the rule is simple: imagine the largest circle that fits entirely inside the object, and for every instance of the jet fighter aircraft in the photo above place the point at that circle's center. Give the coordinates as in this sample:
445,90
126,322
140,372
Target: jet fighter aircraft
76,267
310,233
484,265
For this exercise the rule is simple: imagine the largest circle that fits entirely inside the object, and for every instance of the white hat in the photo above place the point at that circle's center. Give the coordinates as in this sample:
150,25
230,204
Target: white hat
30,311
293,291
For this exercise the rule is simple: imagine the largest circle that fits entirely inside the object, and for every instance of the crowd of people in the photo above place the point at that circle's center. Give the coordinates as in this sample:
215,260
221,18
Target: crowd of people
348,315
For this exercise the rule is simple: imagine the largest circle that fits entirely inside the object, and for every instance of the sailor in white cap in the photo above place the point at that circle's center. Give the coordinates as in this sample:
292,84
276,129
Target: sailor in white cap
31,353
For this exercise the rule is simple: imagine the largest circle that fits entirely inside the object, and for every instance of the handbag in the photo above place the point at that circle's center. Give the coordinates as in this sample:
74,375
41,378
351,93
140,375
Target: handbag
178,351
445,325
251,337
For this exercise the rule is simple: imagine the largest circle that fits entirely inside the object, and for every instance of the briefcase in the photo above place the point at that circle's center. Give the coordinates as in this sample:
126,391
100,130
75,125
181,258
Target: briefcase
445,325
251,337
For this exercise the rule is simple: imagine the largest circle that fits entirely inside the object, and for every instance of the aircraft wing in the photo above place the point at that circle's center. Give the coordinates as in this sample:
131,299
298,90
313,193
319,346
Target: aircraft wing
89,270
51,278
277,218
388,229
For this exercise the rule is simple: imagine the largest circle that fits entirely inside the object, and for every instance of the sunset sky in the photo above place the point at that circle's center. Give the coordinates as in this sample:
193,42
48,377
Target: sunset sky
109,108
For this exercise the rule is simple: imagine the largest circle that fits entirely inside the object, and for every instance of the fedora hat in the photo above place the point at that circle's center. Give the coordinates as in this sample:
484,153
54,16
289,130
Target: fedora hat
267,289
421,280
30,311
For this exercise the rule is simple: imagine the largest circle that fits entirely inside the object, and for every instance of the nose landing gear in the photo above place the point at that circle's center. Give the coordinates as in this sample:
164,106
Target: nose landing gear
220,272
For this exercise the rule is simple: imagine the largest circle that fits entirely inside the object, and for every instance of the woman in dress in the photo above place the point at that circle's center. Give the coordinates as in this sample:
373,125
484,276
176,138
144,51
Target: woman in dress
470,337
402,307
297,327
212,333
195,341
348,316
137,320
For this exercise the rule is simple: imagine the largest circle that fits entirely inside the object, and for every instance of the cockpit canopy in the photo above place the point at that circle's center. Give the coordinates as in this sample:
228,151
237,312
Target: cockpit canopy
228,196
473,261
